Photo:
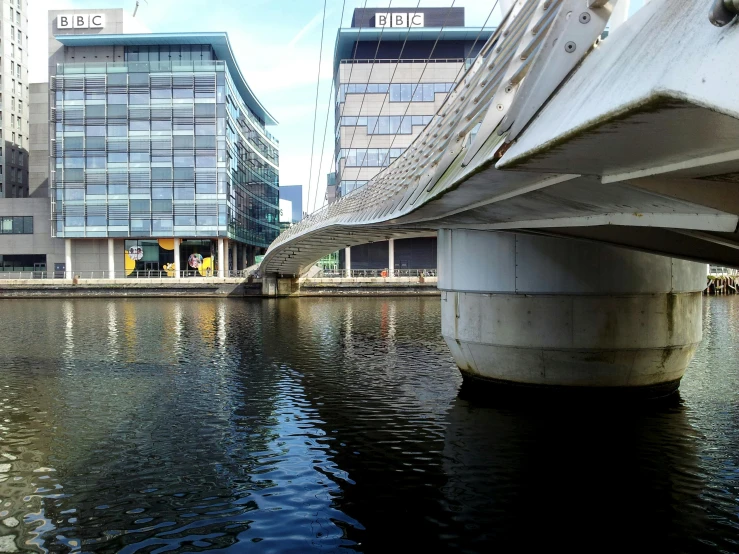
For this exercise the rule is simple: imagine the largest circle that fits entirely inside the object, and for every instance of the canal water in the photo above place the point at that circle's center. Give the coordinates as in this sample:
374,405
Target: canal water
293,425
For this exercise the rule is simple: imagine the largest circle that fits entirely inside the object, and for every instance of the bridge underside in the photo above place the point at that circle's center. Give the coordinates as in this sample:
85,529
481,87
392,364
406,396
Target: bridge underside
634,153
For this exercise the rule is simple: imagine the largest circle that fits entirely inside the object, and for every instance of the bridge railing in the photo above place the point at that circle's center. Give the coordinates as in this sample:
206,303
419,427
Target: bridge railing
380,273
121,274
531,52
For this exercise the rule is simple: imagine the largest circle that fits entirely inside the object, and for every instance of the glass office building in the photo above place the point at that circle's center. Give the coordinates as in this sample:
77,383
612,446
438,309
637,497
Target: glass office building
160,145
389,82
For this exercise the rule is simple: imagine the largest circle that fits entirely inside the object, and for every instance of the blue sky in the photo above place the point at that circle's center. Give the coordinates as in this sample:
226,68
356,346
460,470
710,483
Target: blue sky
277,44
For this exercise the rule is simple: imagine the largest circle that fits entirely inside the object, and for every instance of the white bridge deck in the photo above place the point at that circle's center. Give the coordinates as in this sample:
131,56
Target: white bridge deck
631,141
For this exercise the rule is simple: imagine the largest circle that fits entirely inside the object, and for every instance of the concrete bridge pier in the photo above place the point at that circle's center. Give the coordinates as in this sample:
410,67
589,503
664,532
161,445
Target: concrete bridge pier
277,285
552,312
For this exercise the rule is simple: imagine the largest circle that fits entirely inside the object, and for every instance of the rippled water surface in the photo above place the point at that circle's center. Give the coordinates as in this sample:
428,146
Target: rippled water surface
153,425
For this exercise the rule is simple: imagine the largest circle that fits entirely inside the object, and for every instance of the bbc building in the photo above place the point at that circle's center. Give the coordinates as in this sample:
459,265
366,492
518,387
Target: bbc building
160,158
394,68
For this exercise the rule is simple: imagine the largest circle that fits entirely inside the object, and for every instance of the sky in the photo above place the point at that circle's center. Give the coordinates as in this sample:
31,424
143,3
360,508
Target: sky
277,44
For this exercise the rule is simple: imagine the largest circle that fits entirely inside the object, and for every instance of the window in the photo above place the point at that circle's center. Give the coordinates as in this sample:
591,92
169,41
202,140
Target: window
12,50
18,17
18,122
18,70
12,67
16,225
12,29
12,156
20,54
20,37
20,105
12,103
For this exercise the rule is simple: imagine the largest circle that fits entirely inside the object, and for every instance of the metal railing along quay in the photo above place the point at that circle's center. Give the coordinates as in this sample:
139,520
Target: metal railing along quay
380,273
101,274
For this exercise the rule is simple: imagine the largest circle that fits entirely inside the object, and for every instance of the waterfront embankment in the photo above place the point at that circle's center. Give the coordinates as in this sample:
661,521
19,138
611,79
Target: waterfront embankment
213,287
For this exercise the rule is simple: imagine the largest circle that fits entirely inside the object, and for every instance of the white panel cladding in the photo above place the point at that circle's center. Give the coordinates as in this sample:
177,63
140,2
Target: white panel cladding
500,262
476,262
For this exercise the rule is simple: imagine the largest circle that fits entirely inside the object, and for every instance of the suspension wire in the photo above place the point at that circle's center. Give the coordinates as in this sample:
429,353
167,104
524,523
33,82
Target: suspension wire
459,73
328,108
400,55
315,110
364,95
426,64
351,70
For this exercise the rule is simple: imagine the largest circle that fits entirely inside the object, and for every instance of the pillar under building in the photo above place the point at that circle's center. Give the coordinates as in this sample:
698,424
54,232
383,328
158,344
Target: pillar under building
68,273
111,258
221,254
176,249
553,312
235,256
391,257
348,261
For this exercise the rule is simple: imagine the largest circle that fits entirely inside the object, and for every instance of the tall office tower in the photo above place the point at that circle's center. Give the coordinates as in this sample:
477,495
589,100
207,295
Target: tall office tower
394,68
14,130
161,159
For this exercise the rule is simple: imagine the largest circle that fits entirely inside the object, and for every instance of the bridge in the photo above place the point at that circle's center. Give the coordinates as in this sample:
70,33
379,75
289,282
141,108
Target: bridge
578,186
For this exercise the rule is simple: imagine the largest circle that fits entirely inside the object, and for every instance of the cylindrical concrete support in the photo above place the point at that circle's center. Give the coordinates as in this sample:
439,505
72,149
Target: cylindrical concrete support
221,257
348,261
390,257
235,256
245,256
111,259
545,311
68,273
177,258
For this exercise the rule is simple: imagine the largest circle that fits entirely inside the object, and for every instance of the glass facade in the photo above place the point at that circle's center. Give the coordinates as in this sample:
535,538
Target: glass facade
160,145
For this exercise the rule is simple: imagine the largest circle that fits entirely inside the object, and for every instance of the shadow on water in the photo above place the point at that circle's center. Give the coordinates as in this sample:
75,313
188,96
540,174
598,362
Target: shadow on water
306,424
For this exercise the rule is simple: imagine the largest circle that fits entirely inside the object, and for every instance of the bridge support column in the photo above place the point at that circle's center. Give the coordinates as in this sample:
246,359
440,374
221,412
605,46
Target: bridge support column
269,284
275,285
391,257
564,313
348,261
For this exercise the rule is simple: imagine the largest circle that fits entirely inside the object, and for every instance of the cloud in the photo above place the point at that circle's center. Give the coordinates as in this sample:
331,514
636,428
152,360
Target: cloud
308,26
38,30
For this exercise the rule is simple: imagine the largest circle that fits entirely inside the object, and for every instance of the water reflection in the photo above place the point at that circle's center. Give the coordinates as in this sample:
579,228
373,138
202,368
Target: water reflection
206,425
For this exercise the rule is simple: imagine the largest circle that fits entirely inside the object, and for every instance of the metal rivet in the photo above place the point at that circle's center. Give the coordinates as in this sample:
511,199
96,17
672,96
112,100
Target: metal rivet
508,89
500,107
584,17
570,47
723,12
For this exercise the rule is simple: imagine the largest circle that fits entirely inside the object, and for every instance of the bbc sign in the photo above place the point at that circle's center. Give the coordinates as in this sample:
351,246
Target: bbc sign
399,19
80,21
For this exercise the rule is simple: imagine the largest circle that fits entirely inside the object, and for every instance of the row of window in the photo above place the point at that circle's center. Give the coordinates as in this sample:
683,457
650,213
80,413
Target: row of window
101,162
387,124
13,138
399,92
370,157
141,226
20,52
17,13
14,158
157,193
141,98
16,225
163,127
347,186
14,175
157,53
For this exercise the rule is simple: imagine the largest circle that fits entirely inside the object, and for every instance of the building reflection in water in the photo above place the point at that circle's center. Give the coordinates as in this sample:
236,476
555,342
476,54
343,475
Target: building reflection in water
310,423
